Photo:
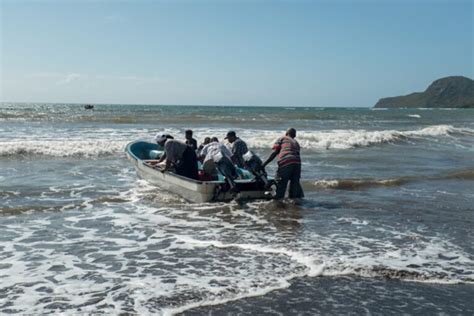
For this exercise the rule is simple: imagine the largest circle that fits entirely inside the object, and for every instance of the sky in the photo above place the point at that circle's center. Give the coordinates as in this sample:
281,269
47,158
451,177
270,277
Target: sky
262,53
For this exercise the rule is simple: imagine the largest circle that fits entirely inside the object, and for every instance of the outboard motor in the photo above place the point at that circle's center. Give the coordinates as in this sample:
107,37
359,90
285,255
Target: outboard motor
255,165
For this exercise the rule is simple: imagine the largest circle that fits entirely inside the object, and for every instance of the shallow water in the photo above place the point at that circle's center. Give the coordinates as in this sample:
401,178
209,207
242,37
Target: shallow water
388,210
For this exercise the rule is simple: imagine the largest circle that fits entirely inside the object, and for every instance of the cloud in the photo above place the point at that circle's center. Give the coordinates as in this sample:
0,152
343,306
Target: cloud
58,78
68,79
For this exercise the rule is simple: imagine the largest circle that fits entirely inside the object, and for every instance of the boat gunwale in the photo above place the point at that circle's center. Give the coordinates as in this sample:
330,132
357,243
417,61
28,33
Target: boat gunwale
143,162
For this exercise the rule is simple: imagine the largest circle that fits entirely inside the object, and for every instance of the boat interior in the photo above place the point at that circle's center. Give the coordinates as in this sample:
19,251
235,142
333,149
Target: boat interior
150,153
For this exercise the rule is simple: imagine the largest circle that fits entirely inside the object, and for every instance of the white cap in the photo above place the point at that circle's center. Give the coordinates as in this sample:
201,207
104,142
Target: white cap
162,137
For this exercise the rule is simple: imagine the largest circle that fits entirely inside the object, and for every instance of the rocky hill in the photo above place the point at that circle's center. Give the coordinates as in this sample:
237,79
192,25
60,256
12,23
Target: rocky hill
448,92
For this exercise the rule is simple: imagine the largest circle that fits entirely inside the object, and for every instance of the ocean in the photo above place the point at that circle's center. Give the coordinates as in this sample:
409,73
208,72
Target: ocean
386,226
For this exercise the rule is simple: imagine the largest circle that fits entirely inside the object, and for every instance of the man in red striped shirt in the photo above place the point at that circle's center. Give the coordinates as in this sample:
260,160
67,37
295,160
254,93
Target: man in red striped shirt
289,165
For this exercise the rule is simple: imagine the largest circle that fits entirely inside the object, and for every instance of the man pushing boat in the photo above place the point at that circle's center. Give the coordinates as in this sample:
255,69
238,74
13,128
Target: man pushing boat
177,153
220,156
183,180
289,165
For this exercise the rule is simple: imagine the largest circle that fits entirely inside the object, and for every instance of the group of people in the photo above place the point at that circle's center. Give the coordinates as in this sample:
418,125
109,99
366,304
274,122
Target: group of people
184,157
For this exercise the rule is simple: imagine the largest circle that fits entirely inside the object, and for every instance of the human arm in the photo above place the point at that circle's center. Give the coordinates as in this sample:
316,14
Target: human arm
270,158
275,152
162,158
167,166
203,152
226,152
166,148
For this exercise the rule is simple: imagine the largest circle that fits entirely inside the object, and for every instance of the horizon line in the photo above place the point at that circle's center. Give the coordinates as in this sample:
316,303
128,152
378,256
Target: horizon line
157,104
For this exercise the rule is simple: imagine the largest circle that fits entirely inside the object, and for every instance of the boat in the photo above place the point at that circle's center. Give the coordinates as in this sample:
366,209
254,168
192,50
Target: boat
88,106
145,156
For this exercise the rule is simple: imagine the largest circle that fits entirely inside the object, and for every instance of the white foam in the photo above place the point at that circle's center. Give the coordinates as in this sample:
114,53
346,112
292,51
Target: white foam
353,221
61,148
414,115
346,139
256,292
168,256
326,183
106,143
314,268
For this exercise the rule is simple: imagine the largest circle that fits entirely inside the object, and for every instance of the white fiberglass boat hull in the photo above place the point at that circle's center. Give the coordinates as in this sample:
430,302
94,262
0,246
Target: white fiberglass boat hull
191,190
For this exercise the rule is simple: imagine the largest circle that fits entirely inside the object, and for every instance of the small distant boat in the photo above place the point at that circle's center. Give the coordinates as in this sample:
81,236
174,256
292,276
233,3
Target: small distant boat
144,156
88,106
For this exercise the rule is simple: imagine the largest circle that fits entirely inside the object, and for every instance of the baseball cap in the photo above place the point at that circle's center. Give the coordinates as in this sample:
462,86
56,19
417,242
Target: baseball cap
230,134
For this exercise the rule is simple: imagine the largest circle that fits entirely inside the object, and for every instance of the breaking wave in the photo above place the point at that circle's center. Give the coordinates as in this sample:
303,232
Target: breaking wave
345,139
62,148
315,140
348,139
359,184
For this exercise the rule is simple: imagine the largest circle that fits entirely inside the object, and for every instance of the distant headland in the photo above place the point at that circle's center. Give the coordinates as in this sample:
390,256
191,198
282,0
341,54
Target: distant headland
448,92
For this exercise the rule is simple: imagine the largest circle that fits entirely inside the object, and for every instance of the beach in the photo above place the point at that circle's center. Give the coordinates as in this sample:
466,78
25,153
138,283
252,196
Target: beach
385,226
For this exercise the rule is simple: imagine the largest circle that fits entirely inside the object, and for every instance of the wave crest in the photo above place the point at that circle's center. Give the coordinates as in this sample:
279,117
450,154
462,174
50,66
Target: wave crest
359,184
61,148
347,139
256,139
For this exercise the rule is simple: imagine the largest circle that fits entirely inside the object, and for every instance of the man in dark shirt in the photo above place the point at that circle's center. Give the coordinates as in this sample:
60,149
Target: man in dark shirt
238,148
289,165
181,155
190,141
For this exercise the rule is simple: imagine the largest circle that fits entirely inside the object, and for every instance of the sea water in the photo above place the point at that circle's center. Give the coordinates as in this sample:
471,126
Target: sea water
386,225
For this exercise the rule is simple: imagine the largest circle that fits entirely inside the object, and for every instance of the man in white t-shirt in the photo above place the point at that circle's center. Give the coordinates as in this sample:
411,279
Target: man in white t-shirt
221,156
